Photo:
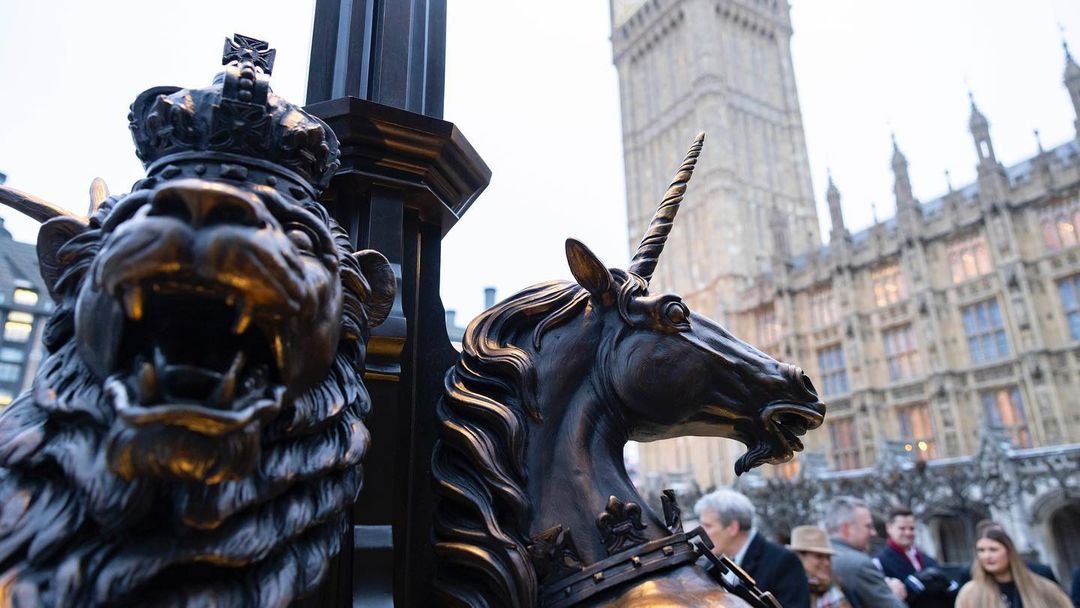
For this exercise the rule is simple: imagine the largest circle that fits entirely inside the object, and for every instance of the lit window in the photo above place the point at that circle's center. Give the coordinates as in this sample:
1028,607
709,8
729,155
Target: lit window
1069,290
21,317
1005,410
10,372
12,355
901,352
17,331
26,297
5,398
1066,231
845,444
767,327
822,311
916,430
969,258
888,284
832,370
985,332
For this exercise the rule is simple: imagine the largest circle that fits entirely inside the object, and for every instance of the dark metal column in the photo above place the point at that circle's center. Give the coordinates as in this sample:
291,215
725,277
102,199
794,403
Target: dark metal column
391,52
406,178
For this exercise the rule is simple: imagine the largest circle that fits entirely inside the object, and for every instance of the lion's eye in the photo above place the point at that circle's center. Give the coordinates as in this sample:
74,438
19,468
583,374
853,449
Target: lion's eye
676,313
302,241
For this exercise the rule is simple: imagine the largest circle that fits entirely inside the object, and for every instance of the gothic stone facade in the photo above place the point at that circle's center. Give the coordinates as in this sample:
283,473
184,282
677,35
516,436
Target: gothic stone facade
959,312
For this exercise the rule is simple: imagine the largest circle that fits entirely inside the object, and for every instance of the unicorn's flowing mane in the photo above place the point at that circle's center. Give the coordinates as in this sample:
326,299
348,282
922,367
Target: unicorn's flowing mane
481,523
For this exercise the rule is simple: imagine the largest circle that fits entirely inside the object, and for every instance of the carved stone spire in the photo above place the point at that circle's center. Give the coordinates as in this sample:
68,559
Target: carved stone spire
1072,84
836,213
907,208
980,132
993,182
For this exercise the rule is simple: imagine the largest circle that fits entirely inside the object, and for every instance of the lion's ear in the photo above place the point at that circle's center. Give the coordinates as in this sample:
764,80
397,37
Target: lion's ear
380,278
53,235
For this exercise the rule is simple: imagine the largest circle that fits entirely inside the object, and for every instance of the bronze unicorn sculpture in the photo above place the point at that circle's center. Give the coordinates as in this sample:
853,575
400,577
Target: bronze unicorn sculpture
194,435
536,506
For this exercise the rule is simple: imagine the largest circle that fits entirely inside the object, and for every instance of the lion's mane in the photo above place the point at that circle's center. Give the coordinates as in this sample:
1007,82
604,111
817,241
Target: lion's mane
72,532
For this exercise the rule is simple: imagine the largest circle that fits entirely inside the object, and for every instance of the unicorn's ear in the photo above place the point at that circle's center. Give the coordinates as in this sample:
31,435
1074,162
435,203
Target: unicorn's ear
587,269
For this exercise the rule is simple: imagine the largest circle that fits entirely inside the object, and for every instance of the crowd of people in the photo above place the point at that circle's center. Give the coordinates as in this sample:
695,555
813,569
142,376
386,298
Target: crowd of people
831,566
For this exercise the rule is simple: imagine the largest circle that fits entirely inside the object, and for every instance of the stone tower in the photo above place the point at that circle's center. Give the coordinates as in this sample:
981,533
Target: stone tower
724,67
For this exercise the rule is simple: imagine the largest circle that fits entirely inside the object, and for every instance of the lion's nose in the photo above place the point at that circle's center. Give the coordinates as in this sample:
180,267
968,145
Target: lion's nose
202,204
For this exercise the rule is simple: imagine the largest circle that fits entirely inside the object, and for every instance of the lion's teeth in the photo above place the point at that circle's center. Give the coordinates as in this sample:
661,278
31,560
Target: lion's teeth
226,391
133,302
279,352
147,383
160,362
243,317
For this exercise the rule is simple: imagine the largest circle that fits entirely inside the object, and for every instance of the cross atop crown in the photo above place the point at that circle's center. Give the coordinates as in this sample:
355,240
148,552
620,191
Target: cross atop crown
243,49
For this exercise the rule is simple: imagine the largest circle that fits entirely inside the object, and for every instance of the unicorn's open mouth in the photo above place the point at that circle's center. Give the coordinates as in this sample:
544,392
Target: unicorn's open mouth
784,423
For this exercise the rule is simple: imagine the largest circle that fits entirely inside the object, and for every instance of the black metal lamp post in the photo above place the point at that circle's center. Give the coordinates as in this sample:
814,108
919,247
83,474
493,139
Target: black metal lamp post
376,77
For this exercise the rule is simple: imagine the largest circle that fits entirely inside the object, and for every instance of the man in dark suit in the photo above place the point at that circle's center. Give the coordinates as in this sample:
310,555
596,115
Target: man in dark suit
727,518
901,559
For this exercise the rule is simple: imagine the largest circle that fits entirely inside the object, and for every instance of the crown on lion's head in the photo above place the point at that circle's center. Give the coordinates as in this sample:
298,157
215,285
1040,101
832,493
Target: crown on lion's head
236,129
201,406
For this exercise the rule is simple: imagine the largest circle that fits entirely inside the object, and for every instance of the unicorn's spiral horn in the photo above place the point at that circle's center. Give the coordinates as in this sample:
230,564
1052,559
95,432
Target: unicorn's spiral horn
644,262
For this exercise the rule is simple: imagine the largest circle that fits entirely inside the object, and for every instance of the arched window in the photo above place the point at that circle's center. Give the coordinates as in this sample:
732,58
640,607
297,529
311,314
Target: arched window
1065,529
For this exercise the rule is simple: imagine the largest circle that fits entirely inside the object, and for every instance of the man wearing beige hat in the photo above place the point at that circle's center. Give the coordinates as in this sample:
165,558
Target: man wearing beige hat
812,545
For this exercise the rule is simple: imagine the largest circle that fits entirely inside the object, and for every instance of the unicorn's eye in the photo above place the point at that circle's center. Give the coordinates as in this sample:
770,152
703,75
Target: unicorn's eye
676,313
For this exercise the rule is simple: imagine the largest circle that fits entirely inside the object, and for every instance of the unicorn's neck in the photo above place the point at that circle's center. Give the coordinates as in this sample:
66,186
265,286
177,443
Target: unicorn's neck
576,465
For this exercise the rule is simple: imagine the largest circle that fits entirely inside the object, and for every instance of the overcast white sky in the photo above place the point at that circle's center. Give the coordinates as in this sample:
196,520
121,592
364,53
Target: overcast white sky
532,86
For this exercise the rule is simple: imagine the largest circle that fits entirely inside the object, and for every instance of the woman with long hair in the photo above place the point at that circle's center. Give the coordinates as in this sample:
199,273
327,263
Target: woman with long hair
999,578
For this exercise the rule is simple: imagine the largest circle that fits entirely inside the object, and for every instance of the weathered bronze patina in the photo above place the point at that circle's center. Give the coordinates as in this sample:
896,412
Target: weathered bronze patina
194,436
551,384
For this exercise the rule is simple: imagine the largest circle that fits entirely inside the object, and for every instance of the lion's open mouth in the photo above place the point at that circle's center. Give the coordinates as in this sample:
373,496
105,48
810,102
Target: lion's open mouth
196,355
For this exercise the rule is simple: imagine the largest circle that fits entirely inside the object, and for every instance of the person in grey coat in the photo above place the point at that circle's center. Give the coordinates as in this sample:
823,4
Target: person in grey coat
851,527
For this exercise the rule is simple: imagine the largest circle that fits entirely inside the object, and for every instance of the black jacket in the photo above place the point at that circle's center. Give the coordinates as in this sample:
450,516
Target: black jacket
777,570
927,588
897,566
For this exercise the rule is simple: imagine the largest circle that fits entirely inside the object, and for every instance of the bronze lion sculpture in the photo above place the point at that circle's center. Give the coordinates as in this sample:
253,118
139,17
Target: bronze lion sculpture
194,435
